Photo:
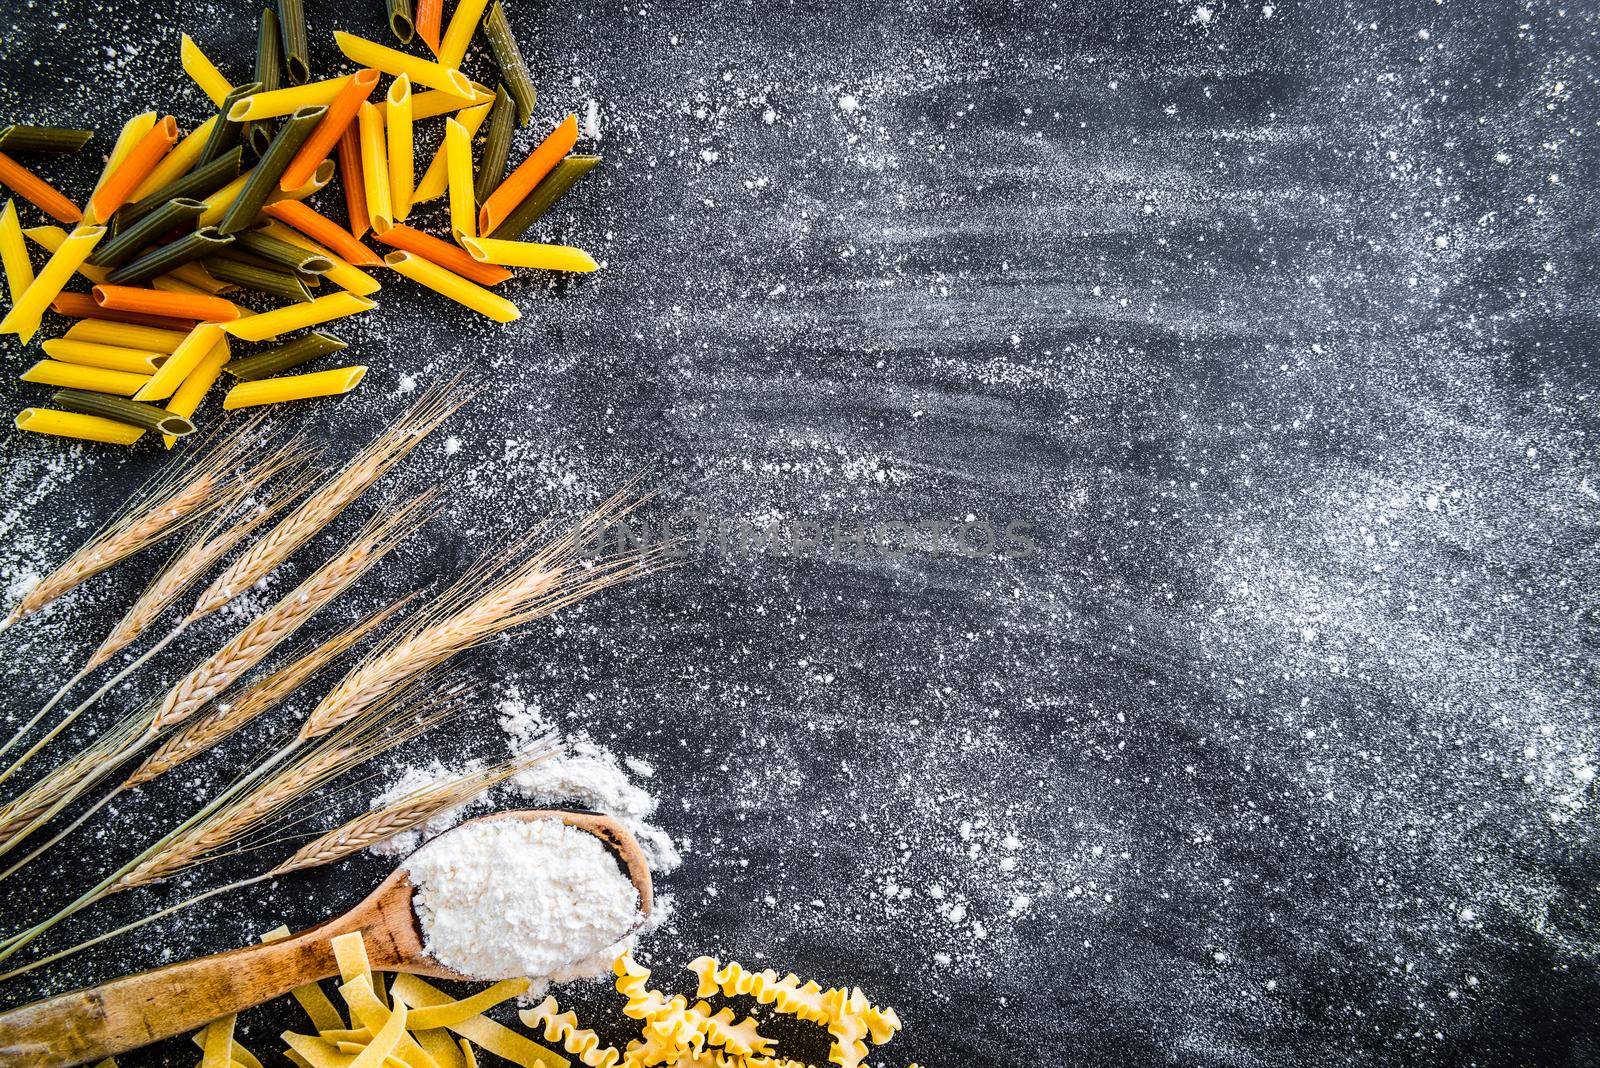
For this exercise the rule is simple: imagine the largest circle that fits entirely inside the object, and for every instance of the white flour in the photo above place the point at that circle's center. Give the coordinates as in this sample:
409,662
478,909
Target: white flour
508,898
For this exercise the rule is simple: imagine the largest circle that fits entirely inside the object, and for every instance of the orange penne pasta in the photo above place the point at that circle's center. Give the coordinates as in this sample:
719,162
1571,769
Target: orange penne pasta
82,306
341,113
196,306
430,17
37,191
355,184
397,235
119,185
323,229
520,182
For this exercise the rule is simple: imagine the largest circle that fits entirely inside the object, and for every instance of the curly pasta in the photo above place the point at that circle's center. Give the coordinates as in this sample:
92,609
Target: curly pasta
563,1027
672,1028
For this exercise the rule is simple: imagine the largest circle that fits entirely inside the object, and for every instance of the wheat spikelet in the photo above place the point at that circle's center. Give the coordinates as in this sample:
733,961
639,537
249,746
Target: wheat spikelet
185,493
328,500
407,812
65,782
488,601
203,551
280,622
261,696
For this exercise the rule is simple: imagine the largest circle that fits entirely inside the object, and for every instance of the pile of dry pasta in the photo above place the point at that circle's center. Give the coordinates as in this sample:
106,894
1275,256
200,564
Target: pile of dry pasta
416,1024
186,240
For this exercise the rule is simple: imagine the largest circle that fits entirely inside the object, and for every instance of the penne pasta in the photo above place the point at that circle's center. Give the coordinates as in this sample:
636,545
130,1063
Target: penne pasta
83,306
263,179
112,357
515,189
294,387
118,187
391,61
196,275
147,339
351,178
130,134
73,425
175,216
452,285
280,102
343,274
374,165
43,139
458,34
428,20
514,74
187,397
168,284
322,229
446,255
435,180
401,147
496,145
271,324
183,158
184,359
171,305
51,238
26,314
435,102
201,182
529,254
204,72
14,253
342,111
36,191
292,32
227,134
400,23
79,376
458,169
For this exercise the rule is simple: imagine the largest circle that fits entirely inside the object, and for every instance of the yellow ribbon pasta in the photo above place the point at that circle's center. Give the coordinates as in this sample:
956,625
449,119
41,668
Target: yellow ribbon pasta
494,1037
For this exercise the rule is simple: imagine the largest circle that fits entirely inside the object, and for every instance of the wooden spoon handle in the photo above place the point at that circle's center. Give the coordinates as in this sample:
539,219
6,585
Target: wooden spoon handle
87,1025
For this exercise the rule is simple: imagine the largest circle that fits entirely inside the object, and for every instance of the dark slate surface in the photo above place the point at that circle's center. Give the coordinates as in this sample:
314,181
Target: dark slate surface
1274,327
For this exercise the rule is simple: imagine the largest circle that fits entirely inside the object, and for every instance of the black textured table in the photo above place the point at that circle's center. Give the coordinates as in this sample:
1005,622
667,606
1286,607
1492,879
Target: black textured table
1154,447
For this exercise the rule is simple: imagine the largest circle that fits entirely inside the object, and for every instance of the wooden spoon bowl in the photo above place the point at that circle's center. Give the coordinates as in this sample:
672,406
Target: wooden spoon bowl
88,1025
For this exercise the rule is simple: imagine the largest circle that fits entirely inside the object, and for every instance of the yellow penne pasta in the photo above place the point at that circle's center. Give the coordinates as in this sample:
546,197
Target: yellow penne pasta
343,273
374,163
496,1038
133,132
197,276
391,61
278,102
27,313
435,102
436,178
218,203
51,238
77,376
149,339
458,168
184,359
14,253
73,425
294,387
452,285
401,148
528,254
178,162
204,72
98,354
269,324
458,35
187,397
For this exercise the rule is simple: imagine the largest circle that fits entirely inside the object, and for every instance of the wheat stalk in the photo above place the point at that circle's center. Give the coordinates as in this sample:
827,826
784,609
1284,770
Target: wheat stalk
266,693
488,601
186,492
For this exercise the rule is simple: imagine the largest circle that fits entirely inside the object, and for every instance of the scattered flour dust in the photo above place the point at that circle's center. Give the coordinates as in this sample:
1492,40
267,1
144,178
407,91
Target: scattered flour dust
507,898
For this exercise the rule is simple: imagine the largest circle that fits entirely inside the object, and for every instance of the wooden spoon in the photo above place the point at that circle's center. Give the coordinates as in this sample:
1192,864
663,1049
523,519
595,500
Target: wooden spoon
124,1014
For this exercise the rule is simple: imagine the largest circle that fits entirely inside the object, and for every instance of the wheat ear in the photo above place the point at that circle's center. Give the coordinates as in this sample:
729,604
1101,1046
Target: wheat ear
259,697
489,601
185,493
403,814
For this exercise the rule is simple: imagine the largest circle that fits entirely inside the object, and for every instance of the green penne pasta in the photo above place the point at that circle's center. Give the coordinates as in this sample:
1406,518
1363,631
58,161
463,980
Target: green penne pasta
123,410
242,213
271,280
190,247
400,23
292,32
226,134
547,192
513,68
300,350
496,145
281,253
177,214
269,72
196,185
42,139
